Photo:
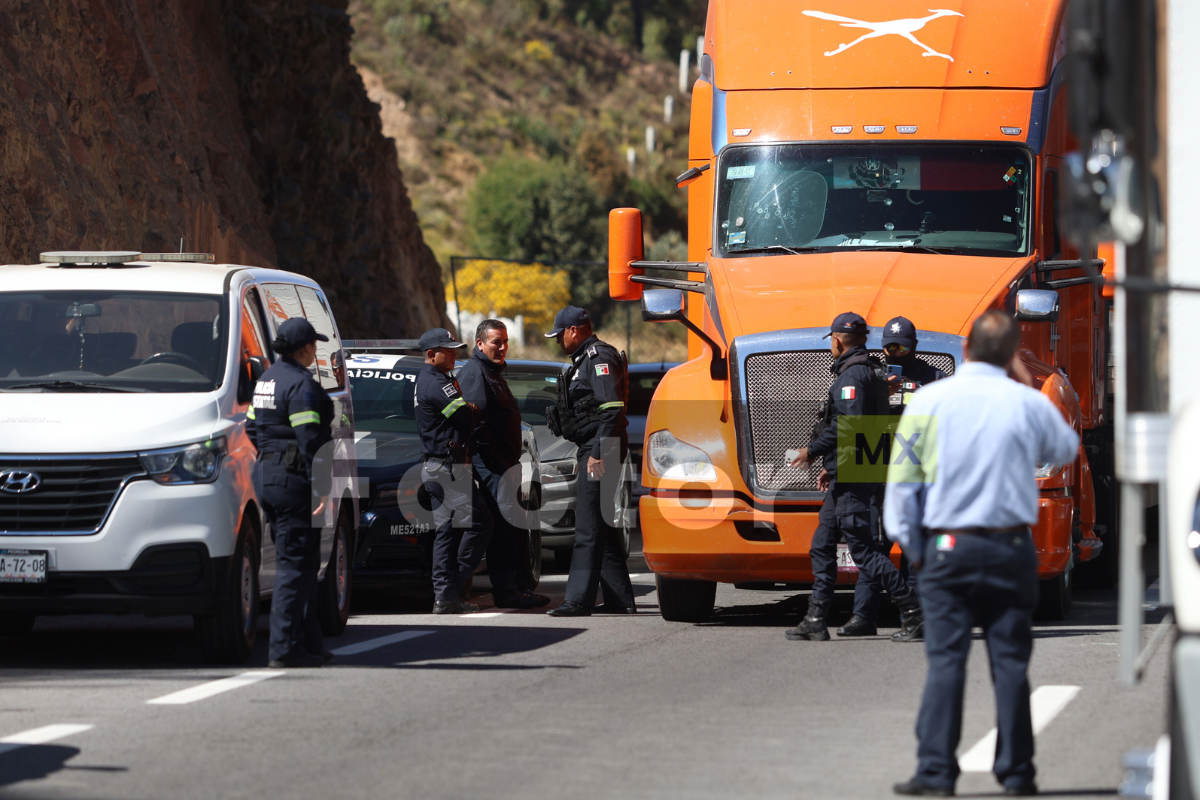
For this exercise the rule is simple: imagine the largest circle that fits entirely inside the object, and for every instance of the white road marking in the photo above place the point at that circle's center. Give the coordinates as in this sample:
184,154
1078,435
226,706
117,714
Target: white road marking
382,641
49,733
207,690
1044,705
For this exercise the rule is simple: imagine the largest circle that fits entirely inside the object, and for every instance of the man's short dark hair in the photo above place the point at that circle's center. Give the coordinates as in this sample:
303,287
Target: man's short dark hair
481,331
851,339
994,338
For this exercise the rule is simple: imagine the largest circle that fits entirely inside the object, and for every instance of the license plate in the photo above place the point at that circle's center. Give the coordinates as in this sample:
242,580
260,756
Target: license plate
22,566
844,561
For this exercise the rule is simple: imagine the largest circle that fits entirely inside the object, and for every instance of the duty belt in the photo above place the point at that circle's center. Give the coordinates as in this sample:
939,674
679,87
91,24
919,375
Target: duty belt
445,459
981,531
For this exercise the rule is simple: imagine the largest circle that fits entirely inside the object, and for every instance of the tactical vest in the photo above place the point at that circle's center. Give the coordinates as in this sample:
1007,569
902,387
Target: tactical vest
570,420
878,394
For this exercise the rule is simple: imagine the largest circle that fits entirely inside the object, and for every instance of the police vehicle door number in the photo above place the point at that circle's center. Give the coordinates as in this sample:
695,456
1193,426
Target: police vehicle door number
22,566
844,562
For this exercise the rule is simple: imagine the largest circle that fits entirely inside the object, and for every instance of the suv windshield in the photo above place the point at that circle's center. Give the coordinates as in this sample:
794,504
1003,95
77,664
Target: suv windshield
111,341
967,200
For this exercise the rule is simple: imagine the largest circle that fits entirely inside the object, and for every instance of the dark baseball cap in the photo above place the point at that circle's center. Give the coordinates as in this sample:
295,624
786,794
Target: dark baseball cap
848,322
900,331
569,317
438,337
294,333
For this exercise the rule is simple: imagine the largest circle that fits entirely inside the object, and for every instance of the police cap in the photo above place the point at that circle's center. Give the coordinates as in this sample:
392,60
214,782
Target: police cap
294,333
900,331
848,322
438,337
569,317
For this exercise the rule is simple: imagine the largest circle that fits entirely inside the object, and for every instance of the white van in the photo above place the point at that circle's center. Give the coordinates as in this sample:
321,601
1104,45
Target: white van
125,470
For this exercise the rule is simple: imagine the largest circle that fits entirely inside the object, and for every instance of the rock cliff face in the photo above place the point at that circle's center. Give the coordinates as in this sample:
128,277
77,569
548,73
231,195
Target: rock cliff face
239,126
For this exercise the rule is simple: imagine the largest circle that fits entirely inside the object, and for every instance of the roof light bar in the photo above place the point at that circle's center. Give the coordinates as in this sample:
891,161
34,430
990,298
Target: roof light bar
89,256
874,128
1007,131
206,258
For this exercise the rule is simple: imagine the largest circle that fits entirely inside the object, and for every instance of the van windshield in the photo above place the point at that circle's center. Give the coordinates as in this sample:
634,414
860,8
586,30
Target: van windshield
957,199
111,341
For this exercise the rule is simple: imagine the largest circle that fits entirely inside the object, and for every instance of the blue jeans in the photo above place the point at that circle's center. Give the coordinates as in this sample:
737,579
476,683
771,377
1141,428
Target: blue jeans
987,581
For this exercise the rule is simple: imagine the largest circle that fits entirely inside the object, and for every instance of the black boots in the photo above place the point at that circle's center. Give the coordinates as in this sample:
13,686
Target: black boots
912,620
812,627
857,626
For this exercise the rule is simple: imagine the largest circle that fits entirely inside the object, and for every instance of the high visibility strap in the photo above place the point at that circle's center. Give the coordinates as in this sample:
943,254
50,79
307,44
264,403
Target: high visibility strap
614,404
305,418
452,406
250,412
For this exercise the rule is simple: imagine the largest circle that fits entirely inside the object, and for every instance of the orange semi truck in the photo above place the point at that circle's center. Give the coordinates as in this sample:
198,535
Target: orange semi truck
886,159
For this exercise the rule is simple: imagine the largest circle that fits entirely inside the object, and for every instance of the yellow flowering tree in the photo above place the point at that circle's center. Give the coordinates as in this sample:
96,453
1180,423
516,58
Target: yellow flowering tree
509,289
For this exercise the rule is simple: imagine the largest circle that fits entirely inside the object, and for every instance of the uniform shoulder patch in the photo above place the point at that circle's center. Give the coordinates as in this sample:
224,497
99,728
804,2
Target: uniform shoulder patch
602,369
449,390
848,393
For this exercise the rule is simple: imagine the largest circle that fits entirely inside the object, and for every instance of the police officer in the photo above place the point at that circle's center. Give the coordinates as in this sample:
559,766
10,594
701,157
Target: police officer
900,349
497,462
591,413
850,508
461,520
290,423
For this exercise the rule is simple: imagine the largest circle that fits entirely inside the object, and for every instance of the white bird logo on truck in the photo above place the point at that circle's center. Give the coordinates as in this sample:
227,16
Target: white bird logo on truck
896,27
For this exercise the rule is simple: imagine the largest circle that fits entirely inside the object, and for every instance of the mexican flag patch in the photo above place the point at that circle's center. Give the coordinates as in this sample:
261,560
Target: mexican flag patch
847,392
602,369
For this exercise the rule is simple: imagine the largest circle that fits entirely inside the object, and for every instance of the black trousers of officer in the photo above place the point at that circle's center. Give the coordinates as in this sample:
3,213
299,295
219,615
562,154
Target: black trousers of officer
288,503
508,551
850,510
989,581
598,559
462,527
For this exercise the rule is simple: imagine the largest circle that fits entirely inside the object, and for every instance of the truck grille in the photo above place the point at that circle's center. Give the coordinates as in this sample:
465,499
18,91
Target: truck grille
784,392
74,494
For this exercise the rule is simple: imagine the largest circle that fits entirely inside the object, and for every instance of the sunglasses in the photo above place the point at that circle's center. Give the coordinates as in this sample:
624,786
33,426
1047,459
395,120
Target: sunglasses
896,349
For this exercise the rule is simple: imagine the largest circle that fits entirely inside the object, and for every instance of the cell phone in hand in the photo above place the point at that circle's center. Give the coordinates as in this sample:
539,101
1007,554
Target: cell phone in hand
895,369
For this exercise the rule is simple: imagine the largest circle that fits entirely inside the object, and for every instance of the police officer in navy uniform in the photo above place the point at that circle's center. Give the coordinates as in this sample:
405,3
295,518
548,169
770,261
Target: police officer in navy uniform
497,462
850,509
900,349
290,423
591,413
462,523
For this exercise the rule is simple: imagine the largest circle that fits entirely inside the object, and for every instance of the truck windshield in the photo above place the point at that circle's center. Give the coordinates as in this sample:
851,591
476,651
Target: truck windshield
966,200
111,341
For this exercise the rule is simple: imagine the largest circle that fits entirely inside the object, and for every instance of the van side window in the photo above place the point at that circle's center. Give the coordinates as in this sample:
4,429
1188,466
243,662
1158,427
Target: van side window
282,302
329,367
254,339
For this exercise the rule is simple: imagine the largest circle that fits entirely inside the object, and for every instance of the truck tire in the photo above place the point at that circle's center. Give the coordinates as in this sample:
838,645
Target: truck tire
228,635
1054,597
685,601
16,623
333,605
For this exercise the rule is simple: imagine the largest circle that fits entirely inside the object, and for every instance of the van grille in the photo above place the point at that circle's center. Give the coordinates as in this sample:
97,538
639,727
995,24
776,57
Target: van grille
784,392
74,496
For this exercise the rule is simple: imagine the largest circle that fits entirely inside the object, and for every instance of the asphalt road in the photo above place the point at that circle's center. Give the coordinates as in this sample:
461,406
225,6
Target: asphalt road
523,705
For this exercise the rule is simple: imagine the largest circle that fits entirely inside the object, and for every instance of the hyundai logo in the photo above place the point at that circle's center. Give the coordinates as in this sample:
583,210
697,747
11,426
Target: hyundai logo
18,481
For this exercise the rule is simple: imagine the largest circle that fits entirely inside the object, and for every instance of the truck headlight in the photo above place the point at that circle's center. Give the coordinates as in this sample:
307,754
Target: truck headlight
1047,470
559,471
670,458
193,463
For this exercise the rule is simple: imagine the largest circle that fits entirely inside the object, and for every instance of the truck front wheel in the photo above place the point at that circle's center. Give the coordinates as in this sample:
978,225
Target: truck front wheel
685,601
1054,598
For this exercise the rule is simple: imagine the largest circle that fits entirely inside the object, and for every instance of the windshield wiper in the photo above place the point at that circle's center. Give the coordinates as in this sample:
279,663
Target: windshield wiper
906,248
774,247
60,385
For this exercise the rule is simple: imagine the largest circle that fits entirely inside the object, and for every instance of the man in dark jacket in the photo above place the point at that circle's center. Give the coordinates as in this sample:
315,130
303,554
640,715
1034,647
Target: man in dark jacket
497,462
463,525
850,507
290,424
591,413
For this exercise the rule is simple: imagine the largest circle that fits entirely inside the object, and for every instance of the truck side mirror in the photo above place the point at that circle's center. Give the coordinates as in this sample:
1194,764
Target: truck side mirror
1037,305
663,305
624,247
252,369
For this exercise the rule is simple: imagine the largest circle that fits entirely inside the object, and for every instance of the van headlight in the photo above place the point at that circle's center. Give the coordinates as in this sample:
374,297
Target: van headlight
1047,470
670,458
193,463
